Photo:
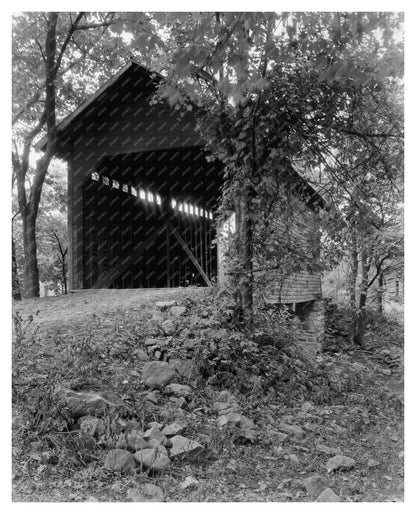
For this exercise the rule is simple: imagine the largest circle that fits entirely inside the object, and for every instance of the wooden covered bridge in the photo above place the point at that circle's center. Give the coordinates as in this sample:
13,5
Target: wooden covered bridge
141,194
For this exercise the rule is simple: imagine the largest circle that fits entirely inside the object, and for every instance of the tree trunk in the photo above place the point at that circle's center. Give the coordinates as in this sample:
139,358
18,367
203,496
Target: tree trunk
30,269
380,293
352,282
244,232
16,292
362,312
64,280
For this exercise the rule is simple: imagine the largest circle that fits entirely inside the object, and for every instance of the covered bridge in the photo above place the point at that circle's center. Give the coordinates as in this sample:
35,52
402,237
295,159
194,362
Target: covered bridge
142,196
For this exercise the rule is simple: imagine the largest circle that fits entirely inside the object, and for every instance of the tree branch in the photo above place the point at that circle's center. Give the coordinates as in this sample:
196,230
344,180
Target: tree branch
89,26
29,104
71,30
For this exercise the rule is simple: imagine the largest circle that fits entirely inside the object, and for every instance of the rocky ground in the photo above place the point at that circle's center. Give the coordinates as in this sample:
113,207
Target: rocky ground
132,396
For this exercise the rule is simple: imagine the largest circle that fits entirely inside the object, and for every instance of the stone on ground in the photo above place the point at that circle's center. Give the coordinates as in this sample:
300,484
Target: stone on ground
155,433
328,450
153,443
179,390
177,311
291,429
294,459
340,462
119,460
135,440
185,368
147,493
168,327
165,305
151,397
237,420
151,459
85,403
328,495
91,426
314,485
141,355
189,481
184,447
223,408
172,429
158,374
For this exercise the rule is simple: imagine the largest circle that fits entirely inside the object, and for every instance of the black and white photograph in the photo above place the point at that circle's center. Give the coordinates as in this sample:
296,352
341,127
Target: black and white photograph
206,234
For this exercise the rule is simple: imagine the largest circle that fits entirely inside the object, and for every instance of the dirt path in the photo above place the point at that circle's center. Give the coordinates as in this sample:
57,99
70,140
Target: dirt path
80,306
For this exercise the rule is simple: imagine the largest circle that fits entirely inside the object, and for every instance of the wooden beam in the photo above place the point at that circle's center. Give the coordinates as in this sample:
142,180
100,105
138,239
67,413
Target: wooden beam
189,254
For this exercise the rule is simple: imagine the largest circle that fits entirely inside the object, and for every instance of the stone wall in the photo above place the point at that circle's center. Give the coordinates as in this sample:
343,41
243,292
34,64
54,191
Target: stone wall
312,332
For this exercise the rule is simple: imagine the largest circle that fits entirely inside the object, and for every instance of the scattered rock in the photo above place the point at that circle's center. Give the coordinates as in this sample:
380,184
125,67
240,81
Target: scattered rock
119,460
154,424
185,368
147,493
244,435
151,397
291,429
85,403
91,426
191,344
121,442
152,459
223,408
157,374
386,372
153,443
173,429
165,305
237,420
168,327
294,459
328,495
328,450
182,403
314,485
177,311
135,440
306,407
141,355
372,463
184,447
340,462
179,390
158,342
336,429
189,481
156,434
281,437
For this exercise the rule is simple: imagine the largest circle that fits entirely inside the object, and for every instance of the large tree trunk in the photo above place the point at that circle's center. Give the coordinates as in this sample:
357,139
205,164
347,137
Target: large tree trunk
30,269
16,292
244,233
29,206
